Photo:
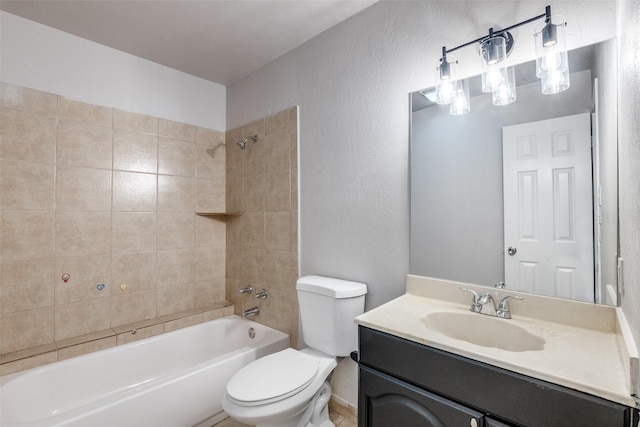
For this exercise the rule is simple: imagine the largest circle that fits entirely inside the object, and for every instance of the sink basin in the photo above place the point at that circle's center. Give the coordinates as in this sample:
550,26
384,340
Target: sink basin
483,330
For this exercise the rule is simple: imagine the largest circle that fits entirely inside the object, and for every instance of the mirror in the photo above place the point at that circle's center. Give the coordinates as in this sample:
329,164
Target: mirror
458,192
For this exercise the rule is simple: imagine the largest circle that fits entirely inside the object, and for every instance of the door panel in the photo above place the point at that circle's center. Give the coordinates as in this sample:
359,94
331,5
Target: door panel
548,207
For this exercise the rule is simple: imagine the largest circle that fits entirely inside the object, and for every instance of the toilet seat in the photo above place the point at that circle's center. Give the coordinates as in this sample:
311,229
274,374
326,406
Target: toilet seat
272,378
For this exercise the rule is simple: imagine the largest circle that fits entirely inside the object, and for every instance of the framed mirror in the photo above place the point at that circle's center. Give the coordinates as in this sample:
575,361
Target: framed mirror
474,218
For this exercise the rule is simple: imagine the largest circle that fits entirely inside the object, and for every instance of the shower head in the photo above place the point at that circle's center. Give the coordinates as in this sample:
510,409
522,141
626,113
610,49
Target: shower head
243,144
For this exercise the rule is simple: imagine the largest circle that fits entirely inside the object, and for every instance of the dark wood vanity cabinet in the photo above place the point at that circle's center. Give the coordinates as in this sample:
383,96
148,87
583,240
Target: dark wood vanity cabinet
403,383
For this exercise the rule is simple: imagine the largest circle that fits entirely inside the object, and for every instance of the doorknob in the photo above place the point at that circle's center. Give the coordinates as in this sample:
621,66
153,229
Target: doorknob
511,250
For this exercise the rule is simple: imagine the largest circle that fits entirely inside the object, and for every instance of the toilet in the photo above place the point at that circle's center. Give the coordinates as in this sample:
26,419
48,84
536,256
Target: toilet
291,388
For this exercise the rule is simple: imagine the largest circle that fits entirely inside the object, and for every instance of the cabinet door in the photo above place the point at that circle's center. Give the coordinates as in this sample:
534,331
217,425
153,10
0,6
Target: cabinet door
386,401
491,422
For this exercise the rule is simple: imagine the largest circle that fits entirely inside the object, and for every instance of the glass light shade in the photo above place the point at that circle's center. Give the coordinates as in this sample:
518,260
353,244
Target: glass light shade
505,93
494,62
552,61
460,104
445,87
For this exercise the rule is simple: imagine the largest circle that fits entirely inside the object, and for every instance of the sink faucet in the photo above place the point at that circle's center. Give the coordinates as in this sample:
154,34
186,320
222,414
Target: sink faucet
485,304
250,312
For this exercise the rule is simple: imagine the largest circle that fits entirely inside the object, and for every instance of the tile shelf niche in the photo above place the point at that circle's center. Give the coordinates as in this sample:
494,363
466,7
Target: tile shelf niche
219,214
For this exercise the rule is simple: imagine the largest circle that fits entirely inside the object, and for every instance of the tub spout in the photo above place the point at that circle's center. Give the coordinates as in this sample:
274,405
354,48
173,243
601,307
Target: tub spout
250,312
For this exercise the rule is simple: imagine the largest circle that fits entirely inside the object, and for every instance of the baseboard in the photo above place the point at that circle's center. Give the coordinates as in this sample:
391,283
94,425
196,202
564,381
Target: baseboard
344,409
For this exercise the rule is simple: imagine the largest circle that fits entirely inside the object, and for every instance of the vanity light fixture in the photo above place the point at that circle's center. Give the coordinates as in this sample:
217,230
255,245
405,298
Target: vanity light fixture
498,78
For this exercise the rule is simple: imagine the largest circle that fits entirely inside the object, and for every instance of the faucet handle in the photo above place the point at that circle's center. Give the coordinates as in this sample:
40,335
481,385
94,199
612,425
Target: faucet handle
246,290
504,311
476,307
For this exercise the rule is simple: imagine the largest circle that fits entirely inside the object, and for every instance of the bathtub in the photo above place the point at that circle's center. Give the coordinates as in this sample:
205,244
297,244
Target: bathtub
169,380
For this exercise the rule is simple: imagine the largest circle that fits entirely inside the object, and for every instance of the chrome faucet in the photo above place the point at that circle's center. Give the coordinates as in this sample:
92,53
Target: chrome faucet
250,312
485,304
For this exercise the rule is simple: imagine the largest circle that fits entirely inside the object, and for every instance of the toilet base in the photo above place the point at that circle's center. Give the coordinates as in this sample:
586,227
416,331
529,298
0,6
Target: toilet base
316,414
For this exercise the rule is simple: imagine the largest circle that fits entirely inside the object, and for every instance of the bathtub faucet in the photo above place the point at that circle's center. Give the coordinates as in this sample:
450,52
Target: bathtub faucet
250,312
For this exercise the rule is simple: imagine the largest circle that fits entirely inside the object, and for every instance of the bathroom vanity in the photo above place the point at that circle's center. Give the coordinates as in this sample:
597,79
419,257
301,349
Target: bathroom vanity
413,373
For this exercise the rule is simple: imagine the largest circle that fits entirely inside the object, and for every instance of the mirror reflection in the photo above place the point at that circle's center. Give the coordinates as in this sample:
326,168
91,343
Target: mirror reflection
524,193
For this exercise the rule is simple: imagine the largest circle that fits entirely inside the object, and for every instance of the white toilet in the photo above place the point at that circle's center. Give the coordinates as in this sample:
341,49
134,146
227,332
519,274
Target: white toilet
291,388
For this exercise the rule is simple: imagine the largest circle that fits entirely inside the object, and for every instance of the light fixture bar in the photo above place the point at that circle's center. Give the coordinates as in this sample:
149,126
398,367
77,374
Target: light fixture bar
546,15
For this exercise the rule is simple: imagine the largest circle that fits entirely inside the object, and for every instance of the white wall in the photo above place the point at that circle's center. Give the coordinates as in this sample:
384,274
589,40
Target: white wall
352,84
43,58
629,146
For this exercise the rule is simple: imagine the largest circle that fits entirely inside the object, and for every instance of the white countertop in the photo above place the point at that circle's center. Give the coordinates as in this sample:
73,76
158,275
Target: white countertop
587,354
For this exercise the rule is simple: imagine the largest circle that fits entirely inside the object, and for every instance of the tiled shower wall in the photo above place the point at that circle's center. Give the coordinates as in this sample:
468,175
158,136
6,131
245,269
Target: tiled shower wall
262,244
108,197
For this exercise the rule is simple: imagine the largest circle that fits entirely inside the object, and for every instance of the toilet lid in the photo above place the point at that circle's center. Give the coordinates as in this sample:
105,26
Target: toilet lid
273,377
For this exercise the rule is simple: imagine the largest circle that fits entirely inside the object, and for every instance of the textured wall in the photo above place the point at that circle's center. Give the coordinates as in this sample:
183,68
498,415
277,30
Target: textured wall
351,83
43,58
629,146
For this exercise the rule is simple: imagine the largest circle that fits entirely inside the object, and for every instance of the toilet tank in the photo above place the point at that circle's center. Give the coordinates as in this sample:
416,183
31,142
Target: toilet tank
327,309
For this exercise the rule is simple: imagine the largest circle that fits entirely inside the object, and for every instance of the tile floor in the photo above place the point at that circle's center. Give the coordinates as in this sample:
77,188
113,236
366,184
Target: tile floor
338,420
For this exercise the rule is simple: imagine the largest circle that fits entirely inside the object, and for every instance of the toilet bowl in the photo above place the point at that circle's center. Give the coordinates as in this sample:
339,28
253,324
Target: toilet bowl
285,389
291,388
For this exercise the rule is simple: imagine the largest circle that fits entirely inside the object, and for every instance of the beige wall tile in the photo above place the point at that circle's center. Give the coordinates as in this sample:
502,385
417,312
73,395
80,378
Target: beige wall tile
137,271
135,122
175,267
83,189
279,312
80,144
278,157
234,265
132,307
176,157
176,130
175,230
134,151
86,113
210,262
209,292
278,122
133,232
82,318
29,100
83,234
27,138
26,329
278,191
174,299
26,186
28,363
254,156
254,264
88,347
234,164
184,322
235,195
176,193
254,193
134,192
253,229
294,231
210,195
282,269
26,236
140,334
210,137
211,231
278,230
210,161
26,285
86,274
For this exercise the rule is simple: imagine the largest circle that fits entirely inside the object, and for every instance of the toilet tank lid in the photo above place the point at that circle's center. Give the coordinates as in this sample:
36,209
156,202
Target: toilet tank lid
334,288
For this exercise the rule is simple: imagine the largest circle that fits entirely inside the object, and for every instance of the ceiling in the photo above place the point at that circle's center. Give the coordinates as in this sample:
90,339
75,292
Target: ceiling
217,40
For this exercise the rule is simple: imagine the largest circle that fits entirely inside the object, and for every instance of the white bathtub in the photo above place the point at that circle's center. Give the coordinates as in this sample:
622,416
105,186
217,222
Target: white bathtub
170,380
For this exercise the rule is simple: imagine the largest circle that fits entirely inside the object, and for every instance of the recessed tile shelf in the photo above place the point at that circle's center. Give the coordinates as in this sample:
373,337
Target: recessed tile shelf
219,214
